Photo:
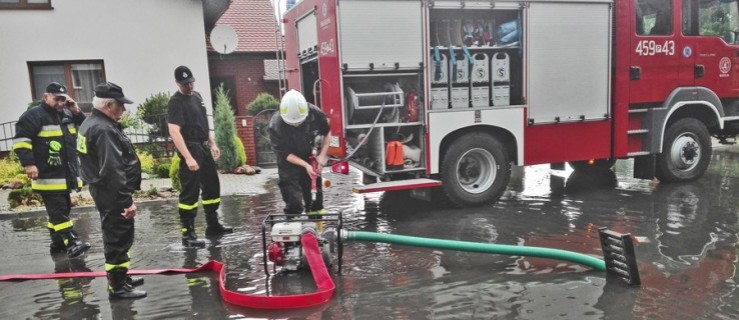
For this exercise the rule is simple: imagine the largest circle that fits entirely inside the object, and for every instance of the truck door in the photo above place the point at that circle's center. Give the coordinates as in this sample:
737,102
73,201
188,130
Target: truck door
660,61
713,26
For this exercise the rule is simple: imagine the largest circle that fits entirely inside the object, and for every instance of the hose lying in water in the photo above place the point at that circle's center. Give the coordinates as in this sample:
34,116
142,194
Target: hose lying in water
558,254
324,284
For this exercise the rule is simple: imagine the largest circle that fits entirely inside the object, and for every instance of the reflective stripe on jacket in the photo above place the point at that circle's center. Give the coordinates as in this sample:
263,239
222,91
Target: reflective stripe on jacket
47,139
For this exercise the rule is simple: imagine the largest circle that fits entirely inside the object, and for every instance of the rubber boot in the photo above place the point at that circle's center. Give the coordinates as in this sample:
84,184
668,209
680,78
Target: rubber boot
57,243
75,246
189,238
119,289
134,281
215,228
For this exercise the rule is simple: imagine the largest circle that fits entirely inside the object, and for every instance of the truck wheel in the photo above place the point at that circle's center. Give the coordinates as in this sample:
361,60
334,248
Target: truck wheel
475,170
598,164
686,152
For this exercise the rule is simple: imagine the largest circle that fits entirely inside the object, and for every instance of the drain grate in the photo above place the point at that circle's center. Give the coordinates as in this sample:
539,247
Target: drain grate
618,252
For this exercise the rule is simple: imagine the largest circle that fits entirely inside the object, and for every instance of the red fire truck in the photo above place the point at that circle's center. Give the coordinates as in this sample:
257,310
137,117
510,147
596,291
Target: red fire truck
429,93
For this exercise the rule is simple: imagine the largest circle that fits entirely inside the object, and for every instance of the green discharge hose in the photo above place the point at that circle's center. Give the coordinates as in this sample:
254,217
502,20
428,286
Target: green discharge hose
558,254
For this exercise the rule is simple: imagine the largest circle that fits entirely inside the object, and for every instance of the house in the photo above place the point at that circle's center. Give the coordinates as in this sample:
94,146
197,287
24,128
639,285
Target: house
136,44
251,68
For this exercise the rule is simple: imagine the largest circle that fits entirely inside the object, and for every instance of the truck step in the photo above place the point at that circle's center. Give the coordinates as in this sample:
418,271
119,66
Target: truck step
397,185
638,153
638,131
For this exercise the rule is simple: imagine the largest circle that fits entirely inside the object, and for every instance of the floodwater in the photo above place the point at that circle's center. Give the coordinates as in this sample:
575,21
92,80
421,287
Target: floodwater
687,255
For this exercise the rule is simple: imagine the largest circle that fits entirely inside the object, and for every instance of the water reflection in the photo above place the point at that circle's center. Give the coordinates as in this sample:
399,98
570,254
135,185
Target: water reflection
687,255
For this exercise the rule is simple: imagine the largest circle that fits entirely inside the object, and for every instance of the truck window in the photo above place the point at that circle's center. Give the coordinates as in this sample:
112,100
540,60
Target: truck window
719,18
654,17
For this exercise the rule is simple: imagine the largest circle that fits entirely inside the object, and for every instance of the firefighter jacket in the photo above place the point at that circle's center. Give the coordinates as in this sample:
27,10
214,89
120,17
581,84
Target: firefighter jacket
109,161
300,140
46,138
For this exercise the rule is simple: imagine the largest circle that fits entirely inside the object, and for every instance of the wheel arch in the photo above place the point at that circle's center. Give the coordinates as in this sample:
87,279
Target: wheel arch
681,104
506,138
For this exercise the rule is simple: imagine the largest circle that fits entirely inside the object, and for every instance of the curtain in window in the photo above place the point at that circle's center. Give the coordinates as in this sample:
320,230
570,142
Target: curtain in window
84,78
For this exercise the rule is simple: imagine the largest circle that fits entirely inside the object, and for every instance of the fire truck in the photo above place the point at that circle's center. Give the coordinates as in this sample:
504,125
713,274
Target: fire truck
436,95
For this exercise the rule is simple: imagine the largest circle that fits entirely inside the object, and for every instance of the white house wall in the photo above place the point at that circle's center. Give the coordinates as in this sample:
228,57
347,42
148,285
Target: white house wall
140,42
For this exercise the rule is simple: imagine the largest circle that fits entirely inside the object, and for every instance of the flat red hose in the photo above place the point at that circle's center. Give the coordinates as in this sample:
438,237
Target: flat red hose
324,285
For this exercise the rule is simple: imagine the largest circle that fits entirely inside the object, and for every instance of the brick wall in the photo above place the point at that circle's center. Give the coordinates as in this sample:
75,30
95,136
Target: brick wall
247,71
245,131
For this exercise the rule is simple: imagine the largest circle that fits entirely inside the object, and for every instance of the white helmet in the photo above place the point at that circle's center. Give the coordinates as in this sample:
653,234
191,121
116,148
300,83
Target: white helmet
293,107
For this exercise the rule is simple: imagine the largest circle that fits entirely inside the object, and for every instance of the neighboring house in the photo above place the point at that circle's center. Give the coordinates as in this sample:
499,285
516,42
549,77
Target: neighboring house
251,68
79,43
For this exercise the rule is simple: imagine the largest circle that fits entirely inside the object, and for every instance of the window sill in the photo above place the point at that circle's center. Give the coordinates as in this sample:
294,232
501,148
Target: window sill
44,6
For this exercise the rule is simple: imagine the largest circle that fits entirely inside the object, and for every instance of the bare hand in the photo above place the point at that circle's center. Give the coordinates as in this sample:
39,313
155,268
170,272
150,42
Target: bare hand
72,105
129,212
216,152
320,162
32,172
192,164
311,172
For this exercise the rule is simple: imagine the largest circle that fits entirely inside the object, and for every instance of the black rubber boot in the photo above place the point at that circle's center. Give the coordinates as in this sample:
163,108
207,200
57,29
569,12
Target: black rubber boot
215,228
189,238
57,243
134,281
119,289
75,247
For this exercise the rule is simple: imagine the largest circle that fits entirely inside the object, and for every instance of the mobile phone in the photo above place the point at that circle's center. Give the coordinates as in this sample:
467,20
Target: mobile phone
69,104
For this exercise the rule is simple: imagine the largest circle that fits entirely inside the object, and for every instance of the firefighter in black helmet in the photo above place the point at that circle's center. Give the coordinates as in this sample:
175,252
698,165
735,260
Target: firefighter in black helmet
112,169
44,141
197,149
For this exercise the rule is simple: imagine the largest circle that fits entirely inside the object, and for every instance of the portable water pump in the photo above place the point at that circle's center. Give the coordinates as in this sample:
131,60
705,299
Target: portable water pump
286,232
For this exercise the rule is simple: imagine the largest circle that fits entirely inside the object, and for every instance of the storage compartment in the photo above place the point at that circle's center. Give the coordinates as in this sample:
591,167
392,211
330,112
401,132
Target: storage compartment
387,149
380,98
481,48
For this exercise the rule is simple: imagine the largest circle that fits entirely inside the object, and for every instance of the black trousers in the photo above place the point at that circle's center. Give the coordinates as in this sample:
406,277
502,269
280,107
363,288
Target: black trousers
117,230
205,179
58,205
295,188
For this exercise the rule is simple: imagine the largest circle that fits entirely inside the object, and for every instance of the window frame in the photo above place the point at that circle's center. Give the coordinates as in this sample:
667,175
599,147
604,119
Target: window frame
24,5
67,64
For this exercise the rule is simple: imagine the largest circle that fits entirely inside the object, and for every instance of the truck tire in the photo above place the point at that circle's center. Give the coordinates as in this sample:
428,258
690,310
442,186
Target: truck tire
598,164
686,152
475,170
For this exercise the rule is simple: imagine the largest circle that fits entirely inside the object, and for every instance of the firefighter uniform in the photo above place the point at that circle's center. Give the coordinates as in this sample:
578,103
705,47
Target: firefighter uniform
45,138
294,182
113,170
189,113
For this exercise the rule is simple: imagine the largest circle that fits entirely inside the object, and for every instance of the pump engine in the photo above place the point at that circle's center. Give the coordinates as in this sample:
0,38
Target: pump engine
285,233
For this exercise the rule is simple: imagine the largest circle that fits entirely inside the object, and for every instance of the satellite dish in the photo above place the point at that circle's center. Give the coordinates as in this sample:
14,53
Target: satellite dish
223,39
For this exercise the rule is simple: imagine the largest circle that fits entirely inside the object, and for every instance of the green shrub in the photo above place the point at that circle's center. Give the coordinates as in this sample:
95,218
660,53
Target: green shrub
162,169
147,161
225,131
174,172
10,167
240,150
263,101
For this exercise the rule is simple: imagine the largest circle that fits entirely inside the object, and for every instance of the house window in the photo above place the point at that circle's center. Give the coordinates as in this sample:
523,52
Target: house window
25,4
80,78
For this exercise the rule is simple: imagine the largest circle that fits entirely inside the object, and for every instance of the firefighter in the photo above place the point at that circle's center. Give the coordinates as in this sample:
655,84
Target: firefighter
44,141
292,133
197,149
112,169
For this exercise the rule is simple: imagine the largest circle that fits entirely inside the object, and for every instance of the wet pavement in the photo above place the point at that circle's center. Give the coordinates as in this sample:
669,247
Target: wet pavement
687,255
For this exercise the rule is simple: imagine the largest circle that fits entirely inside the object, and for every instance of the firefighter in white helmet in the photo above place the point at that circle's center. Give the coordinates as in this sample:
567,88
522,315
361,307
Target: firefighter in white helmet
293,132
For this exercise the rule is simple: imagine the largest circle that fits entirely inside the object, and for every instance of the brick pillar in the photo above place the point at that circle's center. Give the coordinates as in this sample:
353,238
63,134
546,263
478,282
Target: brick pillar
245,132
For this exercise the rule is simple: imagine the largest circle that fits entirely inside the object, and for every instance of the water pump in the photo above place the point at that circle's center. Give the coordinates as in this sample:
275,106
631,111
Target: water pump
284,234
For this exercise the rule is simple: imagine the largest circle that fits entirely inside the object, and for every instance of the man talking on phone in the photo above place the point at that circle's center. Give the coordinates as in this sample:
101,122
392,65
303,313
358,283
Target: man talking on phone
45,142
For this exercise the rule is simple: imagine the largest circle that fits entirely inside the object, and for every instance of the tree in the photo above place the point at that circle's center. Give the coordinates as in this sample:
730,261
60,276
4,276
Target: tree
225,131
153,111
262,102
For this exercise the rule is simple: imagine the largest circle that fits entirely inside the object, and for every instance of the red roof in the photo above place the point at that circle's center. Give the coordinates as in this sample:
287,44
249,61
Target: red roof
255,25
